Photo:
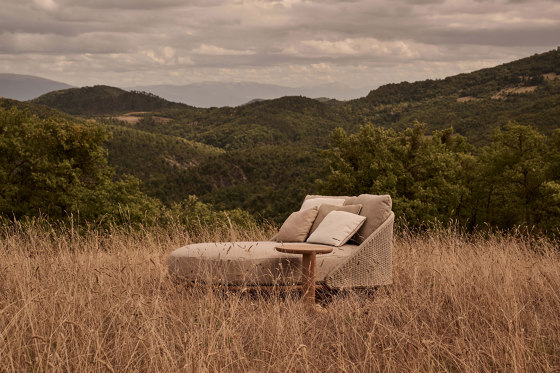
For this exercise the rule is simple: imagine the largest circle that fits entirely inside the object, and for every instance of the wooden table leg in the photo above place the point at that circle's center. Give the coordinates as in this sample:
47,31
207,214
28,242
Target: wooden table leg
308,277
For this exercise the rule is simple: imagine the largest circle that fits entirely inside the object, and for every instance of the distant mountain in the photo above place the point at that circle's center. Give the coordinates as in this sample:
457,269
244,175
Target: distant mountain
335,91
104,100
219,94
26,87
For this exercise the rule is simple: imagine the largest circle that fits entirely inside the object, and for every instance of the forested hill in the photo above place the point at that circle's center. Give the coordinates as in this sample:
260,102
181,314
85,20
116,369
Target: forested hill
486,83
265,156
42,111
287,120
474,104
103,100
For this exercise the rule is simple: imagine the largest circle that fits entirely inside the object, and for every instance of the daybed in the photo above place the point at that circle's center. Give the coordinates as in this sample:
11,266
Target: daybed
364,261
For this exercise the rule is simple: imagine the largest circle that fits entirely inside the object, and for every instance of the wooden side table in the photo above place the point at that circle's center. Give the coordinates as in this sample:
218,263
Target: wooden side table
308,264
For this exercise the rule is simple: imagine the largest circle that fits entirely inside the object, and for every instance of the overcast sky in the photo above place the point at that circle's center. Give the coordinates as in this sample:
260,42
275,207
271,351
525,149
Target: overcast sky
361,43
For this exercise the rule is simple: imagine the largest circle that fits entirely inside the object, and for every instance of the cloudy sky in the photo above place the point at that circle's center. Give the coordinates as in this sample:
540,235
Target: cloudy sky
361,43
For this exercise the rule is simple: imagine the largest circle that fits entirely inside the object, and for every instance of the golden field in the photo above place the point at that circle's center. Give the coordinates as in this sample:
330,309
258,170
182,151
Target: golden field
89,301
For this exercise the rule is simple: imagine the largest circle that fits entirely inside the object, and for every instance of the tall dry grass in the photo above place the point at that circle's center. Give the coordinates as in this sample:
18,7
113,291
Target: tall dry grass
91,301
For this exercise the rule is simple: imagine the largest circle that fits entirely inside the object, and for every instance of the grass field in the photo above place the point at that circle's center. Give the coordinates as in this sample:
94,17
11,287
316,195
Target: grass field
88,302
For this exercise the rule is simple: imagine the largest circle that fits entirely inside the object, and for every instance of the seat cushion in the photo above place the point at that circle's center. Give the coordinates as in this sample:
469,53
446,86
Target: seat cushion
249,263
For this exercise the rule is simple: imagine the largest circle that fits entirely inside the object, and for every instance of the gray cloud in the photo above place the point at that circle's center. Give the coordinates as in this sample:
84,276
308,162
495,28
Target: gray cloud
291,42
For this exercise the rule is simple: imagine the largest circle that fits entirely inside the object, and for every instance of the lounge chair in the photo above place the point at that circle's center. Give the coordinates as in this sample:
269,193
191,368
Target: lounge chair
366,261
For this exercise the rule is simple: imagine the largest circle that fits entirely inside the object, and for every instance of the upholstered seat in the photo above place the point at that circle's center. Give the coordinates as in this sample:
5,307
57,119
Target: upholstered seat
366,262
250,263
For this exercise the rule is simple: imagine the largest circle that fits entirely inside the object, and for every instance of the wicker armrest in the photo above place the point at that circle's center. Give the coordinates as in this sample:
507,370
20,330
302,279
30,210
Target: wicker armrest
370,265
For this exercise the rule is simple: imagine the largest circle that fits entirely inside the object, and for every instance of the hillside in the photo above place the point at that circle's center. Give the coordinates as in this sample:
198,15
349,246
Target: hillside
26,87
485,83
164,163
266,162
269,158
271,150
42,111
526,90
268,181
104,100
287,120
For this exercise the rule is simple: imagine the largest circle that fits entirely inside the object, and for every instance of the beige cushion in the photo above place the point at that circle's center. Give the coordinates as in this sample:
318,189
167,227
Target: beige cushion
337,228
296,227
375,208
249,263
311,196
325,209
318,201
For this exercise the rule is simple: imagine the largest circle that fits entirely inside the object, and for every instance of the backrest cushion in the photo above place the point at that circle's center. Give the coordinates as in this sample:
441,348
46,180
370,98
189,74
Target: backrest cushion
336,228
296,227
316,201
325,209
376,209
311,196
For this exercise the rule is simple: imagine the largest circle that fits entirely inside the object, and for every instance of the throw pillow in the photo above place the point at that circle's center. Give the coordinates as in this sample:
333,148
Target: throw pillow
324,210
337,228
296,227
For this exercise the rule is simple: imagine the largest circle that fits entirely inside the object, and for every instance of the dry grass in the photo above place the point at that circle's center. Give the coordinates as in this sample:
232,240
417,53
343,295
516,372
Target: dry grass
91,302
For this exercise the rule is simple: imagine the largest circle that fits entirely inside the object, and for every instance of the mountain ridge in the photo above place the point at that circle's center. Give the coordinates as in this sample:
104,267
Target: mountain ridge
103,100
271,150
219,94
26,87
479,83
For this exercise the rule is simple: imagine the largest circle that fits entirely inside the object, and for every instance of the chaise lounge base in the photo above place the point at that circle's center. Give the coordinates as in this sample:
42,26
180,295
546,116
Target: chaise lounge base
258,263
249,263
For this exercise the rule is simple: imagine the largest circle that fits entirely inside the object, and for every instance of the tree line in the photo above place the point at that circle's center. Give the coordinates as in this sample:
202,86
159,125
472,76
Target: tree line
514,181
57,167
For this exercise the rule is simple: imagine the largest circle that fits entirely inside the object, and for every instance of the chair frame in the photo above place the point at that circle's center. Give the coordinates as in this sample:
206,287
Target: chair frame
368,267
371,265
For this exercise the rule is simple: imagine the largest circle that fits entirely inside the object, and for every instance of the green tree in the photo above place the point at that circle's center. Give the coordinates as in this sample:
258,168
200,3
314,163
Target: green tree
57,166
203,217
520,178
427,176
